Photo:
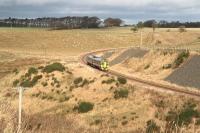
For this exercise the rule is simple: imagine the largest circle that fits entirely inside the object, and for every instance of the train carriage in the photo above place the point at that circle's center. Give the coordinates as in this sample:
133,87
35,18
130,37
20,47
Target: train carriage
97,62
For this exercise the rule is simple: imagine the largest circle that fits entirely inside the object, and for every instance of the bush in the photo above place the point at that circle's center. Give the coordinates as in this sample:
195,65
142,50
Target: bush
15,83
122,80
16,71
97,121
54,67
183,116
78,80
158,42
85,82
134,29
179,60
109,81
58,85
85,107
32,70
147,66
36,78
44,84
122,93
152,127
26,83
63,98
31,83
168,30
124,122
182,29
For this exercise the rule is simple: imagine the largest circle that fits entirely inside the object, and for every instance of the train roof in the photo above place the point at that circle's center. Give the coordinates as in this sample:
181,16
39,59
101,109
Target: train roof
95,57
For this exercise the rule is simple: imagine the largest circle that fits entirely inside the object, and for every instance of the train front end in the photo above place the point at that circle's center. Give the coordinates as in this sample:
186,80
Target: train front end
104,65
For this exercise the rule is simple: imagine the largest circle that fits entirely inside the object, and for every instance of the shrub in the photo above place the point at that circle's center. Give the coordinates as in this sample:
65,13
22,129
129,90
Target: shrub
122,93
32,70
160,103
97,121
158,42
183,116
85,107
152,127
85,82
63,98
179,60
16,71
121,80
44,84
124,122
109,81
54,67
40,67
15,83
78,80
31,83
26,83
147,66
52,84
36,78
182,29
168,30
58,85
134,29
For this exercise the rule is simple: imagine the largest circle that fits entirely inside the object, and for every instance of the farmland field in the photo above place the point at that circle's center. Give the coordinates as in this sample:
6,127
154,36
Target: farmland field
73,42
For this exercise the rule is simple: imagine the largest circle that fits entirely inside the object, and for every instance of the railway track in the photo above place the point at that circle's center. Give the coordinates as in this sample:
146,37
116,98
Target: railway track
139,80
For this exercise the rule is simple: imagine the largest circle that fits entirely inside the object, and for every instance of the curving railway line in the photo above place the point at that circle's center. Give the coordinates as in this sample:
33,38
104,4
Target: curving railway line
139,80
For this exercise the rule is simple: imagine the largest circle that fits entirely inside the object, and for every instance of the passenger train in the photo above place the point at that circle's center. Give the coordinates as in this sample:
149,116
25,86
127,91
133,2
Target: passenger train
97,62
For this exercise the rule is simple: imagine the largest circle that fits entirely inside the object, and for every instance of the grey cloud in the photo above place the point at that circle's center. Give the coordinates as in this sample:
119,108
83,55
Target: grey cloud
127,9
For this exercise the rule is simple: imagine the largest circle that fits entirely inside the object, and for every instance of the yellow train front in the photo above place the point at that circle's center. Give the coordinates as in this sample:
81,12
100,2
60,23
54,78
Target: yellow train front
97,62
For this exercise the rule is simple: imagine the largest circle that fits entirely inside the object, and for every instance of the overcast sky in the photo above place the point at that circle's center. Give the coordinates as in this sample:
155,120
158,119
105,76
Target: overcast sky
129,10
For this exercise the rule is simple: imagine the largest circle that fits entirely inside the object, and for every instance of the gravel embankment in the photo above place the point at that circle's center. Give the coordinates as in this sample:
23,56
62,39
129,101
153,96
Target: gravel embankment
188,74
129,53
107,54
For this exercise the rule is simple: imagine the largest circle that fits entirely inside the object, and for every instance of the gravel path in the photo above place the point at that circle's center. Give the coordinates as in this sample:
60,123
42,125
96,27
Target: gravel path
129,53
107,54
188,74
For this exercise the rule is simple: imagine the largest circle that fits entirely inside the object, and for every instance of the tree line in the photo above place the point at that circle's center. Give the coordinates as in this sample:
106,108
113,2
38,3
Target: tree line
172,24
61,23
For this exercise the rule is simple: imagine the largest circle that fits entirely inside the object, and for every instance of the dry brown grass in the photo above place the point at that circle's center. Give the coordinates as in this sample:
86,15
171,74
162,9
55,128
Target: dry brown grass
72,42
123,115
150,66
109,115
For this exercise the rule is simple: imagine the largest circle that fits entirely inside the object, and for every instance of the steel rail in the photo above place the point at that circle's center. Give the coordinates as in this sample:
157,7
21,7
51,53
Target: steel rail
139,80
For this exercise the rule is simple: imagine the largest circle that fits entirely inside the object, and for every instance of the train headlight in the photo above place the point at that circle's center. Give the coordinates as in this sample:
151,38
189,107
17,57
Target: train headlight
104,65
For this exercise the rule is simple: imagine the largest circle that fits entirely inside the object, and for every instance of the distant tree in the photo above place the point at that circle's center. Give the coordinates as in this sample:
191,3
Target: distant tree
134,29
154,26
109,22
140,25
182,29
93,22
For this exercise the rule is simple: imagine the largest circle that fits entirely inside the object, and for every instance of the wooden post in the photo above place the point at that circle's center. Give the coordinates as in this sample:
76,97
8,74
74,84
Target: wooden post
141,38
20,89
